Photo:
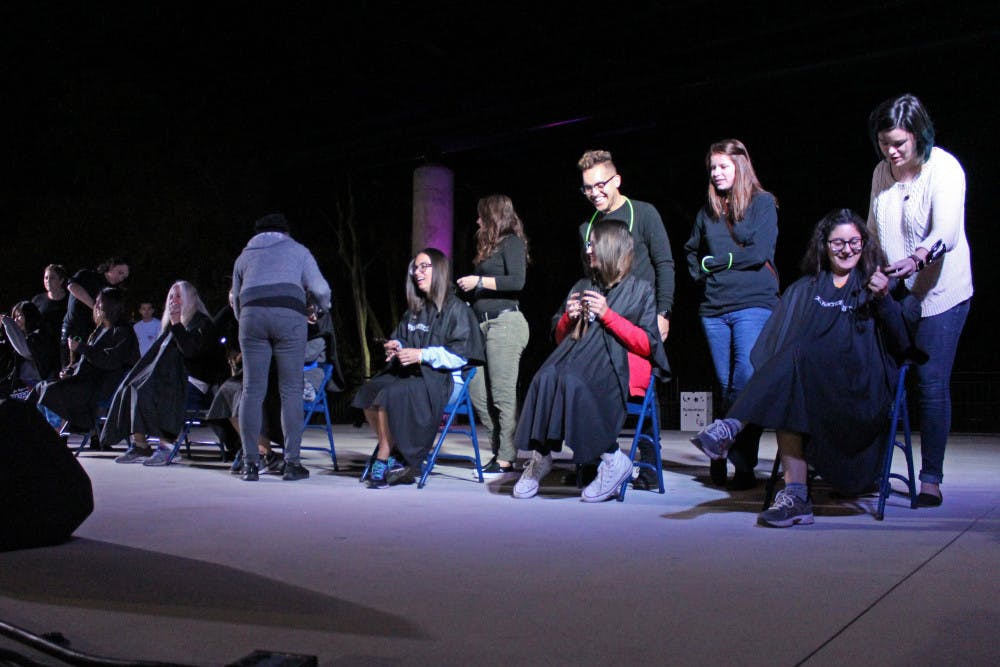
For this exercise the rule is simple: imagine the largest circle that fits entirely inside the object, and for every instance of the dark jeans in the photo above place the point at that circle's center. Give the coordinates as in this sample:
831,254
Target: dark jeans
264,332
937,336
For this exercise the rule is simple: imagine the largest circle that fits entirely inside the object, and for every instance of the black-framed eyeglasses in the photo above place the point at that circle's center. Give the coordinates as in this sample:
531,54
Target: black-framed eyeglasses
420,268
599,185
836,245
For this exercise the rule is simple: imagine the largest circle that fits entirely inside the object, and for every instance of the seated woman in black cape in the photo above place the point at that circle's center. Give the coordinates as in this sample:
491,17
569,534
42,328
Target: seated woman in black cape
437,337
97,367
825,369
175,375
33,346
608,338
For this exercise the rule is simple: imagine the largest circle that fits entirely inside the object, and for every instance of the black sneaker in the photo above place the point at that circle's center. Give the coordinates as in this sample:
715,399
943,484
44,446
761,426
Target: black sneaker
273,464
294,471
494,469
398,473
250,472
646,480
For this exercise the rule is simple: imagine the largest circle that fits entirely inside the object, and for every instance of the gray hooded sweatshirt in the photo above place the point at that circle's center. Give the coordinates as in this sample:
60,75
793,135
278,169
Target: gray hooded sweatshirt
275,271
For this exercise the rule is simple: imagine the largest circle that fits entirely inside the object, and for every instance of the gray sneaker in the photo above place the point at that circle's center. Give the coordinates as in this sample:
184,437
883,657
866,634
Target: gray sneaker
614,469
787,510
716,438
161,457
134,455
538,467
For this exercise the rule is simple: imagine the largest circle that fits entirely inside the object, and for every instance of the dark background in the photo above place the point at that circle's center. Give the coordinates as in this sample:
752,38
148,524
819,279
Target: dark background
162,131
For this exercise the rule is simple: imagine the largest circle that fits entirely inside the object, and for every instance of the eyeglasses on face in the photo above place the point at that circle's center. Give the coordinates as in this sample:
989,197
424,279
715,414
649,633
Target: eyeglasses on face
837,245
599,185
421,268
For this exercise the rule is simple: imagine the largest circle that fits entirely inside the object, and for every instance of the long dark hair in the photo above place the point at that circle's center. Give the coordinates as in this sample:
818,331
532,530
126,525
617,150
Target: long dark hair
612,245
113,306
816,259
906,112
500,220
440,281
32,316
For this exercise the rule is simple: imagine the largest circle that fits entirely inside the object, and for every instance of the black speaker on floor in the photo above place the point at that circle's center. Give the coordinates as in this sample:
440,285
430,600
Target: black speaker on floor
44,492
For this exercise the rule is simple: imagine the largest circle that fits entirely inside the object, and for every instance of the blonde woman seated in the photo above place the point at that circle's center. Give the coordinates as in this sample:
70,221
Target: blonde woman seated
608,342
174,376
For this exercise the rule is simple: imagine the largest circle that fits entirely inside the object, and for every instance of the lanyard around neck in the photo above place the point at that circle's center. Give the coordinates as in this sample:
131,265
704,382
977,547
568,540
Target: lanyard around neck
631,219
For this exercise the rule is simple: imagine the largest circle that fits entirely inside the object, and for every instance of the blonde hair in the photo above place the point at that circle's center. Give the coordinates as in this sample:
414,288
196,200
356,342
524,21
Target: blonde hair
190,304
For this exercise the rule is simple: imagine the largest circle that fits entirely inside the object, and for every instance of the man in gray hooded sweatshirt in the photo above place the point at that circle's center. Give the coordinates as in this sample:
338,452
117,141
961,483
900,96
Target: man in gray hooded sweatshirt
273,279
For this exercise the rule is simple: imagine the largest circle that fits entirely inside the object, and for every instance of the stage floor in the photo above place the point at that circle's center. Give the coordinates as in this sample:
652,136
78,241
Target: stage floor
190,564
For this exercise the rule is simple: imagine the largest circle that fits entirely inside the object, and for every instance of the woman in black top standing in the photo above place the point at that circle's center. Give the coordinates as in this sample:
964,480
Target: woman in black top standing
500,266
731,254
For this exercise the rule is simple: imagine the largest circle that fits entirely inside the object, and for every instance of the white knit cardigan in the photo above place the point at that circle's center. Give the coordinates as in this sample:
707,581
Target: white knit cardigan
917,214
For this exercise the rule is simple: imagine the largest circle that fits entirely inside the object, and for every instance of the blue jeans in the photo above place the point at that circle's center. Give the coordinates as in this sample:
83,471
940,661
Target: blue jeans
730,338
938,337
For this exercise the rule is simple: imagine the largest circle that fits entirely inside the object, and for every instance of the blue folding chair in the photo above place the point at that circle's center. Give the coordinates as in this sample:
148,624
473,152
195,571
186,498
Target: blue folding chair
900,416
192,419
462,405
319,406
647,409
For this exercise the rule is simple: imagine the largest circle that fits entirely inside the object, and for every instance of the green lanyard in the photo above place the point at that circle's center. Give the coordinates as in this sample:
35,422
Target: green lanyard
631,219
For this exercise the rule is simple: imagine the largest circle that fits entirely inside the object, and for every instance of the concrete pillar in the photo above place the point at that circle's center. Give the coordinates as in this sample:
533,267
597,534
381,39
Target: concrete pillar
433,208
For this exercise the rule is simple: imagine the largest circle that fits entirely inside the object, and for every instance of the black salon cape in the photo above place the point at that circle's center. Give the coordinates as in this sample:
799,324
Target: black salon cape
101,366
579,393
414,397
825,365
152,398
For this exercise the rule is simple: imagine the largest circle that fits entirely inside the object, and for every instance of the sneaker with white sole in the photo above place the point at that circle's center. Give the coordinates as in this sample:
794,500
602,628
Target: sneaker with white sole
716,438
538,467
135,454
787,510
614,469
161,457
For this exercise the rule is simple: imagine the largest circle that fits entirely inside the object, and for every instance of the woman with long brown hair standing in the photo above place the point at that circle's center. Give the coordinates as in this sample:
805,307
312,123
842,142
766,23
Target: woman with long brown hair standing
731,255
500,266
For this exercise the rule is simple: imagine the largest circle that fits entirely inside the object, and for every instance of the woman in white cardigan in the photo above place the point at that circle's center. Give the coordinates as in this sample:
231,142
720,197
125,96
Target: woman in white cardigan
918,213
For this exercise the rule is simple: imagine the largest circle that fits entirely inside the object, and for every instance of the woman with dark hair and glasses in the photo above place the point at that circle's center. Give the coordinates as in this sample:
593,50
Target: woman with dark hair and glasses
918,212
500,266
731,256
608,342
825,367
437,337
98,365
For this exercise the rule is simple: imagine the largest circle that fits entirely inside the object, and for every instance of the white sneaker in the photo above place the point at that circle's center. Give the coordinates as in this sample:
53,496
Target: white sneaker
538,467
613,470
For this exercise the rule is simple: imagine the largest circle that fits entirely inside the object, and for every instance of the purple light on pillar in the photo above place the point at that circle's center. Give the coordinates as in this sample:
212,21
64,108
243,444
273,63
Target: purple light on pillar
433,207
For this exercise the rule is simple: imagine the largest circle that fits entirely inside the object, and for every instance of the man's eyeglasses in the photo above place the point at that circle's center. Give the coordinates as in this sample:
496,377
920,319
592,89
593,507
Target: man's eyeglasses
856,244
599,185
420,268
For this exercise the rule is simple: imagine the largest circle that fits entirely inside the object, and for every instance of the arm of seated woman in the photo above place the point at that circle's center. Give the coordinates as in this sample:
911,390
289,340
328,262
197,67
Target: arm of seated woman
441,357
633,337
